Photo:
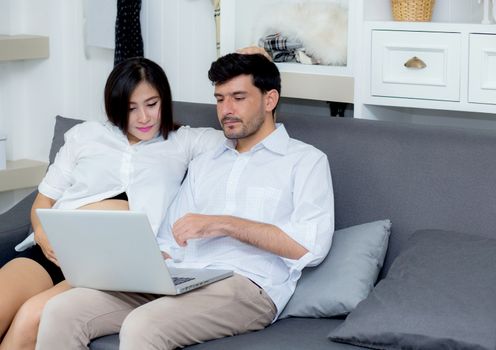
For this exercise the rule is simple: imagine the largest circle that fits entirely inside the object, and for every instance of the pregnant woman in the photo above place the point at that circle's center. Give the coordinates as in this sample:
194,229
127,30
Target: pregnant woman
135,160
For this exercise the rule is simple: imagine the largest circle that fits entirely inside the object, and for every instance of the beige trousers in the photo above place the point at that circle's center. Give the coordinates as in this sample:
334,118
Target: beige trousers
147,321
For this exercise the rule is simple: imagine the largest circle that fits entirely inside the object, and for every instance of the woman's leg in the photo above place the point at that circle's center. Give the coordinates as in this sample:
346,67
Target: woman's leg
20,279
24,328
70,320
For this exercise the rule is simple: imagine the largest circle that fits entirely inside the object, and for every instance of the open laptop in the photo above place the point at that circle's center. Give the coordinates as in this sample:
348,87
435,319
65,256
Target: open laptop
117,251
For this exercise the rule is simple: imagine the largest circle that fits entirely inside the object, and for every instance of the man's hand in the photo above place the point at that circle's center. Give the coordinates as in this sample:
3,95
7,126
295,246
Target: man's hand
42,240
264,236
194,226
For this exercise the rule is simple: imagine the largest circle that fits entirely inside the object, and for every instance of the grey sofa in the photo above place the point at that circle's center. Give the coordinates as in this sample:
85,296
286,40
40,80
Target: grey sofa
419,177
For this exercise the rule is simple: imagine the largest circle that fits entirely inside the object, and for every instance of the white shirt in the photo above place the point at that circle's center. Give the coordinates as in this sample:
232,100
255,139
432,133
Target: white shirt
97,162
280,181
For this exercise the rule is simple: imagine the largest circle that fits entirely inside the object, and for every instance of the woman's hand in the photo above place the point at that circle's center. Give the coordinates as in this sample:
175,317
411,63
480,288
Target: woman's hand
42,240
42,201
252,50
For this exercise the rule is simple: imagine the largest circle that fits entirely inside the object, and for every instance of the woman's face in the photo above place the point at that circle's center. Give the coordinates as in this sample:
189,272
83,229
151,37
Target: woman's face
144,113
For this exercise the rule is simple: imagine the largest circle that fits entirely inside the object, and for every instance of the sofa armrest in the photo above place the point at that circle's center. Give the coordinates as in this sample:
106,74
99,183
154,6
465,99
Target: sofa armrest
15,225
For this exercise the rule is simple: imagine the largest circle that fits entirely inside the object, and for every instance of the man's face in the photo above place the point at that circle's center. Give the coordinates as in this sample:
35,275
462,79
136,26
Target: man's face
241,108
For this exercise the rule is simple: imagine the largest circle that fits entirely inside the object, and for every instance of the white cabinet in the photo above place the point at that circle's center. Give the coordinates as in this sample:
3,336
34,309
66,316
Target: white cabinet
482,69
457,69
420,65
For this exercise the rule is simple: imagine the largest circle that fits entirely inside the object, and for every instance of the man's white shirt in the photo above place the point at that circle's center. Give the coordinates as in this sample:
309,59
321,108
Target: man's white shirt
280,181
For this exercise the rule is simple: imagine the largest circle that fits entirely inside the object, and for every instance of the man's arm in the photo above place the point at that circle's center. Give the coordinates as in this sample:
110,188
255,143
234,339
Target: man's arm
264,236
309,230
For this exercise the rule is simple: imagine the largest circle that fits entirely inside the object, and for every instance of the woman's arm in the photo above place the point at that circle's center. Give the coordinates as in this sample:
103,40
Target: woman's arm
252,50
42,201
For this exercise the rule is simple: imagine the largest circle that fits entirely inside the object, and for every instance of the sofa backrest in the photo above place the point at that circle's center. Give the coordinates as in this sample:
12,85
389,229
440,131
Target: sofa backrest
418,176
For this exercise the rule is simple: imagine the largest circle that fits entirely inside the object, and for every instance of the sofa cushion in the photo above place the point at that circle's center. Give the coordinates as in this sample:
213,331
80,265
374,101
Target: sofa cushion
346,276
290,333
440,293
62,125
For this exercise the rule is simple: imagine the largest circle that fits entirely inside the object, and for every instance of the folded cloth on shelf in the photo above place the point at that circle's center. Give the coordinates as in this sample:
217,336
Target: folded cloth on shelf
321,29
302,57
279,47
278,42
283,49
283,56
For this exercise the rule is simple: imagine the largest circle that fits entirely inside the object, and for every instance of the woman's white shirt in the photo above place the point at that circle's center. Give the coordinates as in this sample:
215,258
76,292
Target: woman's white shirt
97,162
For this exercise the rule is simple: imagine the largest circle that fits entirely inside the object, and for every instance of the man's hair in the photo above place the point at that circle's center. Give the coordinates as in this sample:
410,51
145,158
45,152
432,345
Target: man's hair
124,79
264,72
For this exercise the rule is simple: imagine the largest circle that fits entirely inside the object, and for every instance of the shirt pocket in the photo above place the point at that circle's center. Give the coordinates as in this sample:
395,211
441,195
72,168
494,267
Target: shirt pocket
262,203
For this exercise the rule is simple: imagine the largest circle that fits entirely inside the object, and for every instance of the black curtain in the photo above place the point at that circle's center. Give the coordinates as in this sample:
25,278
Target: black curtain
128,40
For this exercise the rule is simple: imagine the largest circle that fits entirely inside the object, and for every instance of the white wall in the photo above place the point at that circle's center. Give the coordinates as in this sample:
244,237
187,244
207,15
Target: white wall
67,83
179,34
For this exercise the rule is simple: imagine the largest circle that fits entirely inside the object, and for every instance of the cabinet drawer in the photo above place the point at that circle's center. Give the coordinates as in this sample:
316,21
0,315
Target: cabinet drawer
438,78
482,69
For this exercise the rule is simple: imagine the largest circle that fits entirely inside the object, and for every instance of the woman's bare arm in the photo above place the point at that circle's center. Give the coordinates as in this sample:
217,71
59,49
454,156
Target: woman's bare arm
42,201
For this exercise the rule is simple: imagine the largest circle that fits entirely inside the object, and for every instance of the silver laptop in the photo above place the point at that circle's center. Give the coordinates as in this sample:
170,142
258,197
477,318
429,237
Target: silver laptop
117,251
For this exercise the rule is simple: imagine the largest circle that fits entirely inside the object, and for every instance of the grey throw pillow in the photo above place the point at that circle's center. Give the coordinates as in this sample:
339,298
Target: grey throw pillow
346,276
440,293
62,125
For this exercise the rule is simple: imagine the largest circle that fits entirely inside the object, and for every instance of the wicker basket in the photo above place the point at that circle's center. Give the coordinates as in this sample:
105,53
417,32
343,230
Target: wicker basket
412,10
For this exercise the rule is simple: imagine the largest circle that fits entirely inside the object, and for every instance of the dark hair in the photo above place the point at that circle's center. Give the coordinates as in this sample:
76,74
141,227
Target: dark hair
265,75
122,81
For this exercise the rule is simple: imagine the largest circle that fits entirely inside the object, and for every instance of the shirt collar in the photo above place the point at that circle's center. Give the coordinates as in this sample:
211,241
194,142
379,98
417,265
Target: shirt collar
276,142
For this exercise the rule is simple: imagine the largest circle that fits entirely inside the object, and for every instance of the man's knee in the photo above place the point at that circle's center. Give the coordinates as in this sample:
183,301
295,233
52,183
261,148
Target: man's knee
58,315
141,330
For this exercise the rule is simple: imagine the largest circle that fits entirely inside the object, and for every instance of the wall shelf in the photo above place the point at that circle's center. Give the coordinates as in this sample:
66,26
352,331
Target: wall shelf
22,173
23,47
239,20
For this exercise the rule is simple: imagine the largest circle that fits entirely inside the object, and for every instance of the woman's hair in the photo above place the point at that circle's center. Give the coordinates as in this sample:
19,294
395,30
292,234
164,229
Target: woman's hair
124,79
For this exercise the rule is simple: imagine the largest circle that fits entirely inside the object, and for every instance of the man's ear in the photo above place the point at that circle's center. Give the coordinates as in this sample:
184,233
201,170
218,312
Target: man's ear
271,100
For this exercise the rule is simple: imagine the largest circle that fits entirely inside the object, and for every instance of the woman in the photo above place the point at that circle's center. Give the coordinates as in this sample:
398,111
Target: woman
134,161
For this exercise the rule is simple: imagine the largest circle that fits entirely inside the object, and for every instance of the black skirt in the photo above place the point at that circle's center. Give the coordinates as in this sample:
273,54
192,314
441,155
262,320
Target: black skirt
35,253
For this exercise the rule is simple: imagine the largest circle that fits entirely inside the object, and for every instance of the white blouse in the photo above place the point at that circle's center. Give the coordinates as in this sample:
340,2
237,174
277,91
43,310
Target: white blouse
97,162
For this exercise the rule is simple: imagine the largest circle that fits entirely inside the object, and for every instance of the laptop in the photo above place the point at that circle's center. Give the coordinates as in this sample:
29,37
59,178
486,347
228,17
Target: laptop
116,251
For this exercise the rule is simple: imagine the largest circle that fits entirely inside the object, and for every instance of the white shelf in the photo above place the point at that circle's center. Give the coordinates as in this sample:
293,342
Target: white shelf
23,47
239,20
22,173
337,88
431,26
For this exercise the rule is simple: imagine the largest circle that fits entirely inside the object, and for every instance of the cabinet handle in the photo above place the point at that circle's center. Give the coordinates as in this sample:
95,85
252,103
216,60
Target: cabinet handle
415,63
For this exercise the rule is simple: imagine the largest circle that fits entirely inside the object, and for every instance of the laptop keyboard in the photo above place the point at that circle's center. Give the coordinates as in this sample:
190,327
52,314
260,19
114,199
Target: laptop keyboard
180,280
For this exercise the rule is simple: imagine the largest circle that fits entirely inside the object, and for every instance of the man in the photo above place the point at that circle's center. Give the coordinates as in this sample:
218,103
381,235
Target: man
260,205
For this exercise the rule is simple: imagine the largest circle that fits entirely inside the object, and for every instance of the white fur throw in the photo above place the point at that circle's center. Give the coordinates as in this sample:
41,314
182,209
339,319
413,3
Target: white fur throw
322,28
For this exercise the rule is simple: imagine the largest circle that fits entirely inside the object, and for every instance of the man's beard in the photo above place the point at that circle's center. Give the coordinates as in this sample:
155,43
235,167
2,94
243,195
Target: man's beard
246,130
